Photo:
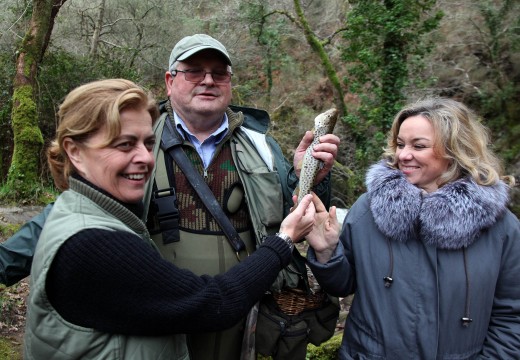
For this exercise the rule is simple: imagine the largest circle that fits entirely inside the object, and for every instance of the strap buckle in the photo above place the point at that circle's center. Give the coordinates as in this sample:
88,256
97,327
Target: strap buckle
237,253
167,213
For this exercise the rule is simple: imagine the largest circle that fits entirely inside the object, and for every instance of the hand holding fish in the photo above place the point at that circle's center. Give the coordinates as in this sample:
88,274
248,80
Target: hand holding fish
314,156
325,150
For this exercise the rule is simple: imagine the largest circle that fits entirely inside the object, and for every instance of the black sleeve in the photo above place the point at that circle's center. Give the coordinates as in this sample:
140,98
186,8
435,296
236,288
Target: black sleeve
115,282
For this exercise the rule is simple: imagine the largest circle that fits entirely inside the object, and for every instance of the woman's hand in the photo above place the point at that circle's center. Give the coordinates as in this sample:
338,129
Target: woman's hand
300,221
324,236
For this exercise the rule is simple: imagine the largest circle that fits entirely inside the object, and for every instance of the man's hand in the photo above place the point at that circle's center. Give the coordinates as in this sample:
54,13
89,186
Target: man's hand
326,151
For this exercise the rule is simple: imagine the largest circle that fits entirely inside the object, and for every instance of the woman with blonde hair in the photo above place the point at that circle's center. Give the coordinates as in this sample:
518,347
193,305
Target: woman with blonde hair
459,136
431,251
99,287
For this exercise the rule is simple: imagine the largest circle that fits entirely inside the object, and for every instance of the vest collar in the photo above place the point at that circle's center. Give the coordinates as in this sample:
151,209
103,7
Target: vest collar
109,204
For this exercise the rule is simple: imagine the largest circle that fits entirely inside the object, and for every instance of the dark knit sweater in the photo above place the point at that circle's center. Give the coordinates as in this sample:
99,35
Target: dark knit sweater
114,282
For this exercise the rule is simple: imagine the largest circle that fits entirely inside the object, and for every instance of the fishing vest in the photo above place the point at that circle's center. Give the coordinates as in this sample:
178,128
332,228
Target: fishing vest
240,178
243,177
59,339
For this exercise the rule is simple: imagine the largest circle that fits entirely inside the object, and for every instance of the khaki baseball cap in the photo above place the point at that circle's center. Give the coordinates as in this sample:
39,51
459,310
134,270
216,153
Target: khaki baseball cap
190,45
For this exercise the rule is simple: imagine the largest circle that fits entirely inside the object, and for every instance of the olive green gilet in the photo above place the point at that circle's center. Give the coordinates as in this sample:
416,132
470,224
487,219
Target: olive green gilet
48,335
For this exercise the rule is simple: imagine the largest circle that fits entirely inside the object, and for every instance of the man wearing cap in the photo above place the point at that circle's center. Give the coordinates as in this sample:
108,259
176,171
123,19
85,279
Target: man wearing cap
198,83
243,167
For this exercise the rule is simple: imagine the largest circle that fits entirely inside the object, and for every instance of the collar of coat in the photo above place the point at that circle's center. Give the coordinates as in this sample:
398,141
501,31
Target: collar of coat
452,217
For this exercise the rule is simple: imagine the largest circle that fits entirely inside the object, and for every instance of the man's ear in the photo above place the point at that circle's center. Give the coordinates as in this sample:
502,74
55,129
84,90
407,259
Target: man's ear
168,79
74,152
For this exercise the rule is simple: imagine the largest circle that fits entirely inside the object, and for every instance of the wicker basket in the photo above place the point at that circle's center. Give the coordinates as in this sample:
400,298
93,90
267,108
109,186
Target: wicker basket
294,301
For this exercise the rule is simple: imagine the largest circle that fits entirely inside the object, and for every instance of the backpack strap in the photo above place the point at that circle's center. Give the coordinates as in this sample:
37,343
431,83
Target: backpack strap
160,195
149,187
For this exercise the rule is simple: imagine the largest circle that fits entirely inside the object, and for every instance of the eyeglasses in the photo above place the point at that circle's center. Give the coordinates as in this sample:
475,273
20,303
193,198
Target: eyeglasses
196,76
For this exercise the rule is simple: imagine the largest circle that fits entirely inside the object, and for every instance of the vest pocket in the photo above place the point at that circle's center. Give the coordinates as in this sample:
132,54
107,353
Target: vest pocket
262,186
266,197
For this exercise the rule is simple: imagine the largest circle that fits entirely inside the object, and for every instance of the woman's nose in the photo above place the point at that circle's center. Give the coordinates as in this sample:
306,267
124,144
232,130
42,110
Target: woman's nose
405,154
144,155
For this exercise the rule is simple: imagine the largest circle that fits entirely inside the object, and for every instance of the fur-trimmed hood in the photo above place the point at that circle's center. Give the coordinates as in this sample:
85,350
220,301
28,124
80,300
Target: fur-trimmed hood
450,218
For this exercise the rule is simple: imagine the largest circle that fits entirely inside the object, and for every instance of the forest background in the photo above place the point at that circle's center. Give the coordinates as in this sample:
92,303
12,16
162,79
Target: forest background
293,58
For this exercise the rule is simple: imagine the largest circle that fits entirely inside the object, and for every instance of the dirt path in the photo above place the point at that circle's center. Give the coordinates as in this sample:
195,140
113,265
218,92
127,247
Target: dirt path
17,214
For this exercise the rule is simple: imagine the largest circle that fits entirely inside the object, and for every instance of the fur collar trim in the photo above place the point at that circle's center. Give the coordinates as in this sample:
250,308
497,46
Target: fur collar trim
450,218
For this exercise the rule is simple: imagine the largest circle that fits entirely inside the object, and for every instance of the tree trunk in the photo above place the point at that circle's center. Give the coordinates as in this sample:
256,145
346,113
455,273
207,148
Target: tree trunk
22,178
97,30
317,46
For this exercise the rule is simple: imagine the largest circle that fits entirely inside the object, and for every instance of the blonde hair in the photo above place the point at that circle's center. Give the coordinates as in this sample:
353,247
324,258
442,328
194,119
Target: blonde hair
459,136
87,109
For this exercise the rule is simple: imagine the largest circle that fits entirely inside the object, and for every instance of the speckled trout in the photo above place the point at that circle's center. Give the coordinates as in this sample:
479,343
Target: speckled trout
323,124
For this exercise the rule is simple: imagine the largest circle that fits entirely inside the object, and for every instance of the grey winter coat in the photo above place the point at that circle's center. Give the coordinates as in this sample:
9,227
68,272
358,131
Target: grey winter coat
435,276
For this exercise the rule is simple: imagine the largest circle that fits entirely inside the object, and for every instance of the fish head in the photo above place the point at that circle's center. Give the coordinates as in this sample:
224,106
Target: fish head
326,119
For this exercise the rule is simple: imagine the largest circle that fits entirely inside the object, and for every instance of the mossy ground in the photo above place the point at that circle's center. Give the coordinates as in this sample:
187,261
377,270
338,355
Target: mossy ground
9,350
12,319
326,351
12,299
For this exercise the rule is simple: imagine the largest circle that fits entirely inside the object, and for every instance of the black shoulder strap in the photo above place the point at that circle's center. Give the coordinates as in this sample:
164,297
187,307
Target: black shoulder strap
160,198
170,143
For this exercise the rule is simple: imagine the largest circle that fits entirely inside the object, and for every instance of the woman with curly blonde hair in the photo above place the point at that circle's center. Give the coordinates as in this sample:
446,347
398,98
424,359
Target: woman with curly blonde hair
459,137
431,251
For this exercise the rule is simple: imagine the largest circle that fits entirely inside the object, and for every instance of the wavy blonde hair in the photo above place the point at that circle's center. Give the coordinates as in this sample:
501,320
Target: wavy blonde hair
459,136
89,108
